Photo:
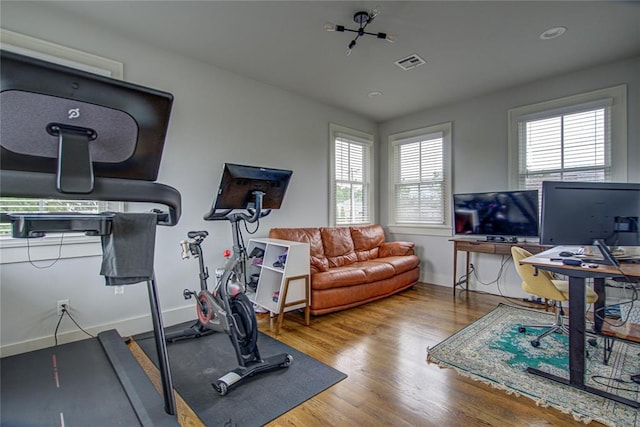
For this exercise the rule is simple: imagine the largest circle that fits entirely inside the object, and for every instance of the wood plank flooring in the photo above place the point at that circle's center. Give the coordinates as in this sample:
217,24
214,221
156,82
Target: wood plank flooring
382,346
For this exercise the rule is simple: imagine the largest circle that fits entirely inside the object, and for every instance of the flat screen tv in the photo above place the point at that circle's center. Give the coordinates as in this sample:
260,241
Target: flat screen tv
497,215
239,184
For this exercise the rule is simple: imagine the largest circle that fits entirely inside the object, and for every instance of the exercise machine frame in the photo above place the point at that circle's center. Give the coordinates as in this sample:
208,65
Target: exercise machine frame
226,308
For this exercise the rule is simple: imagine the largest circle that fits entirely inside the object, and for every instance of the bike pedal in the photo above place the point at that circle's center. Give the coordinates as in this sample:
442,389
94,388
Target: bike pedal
187,294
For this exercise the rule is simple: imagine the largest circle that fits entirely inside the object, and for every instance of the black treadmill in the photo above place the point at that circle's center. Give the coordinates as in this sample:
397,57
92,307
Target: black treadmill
69,134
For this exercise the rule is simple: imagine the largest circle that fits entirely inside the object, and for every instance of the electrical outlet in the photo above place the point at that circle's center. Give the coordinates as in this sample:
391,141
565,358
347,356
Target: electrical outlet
60,304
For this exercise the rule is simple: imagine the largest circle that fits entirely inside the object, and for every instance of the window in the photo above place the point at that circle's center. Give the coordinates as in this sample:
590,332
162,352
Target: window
351,187
47,51
420,179
579,138
9,204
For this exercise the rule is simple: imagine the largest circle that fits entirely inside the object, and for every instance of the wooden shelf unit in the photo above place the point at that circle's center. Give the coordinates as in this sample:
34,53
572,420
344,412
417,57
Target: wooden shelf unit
281,286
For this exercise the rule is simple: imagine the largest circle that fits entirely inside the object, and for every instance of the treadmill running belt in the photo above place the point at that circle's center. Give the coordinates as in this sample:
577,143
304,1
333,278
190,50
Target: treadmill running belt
71,384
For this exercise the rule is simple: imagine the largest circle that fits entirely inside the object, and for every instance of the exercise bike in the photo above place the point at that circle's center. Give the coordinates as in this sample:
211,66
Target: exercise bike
227,309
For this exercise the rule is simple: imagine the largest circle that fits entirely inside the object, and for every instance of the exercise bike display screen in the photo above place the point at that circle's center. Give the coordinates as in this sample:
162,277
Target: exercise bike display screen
239,182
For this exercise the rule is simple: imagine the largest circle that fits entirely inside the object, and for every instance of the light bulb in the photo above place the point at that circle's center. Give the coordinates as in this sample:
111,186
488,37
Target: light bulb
391,38
329,26
348,52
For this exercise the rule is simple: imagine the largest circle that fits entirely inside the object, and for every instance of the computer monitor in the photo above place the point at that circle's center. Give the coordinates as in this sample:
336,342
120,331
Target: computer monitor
74,135
590,213
240,183
107,127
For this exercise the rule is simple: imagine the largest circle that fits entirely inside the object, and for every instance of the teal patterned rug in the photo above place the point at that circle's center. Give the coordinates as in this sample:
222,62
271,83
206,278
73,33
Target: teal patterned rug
492,350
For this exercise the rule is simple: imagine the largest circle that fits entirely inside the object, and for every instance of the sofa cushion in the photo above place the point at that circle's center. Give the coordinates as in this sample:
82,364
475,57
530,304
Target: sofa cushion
375,271
338,246
367,240
325,301
338,277
400,264
396,249
311,236
353,274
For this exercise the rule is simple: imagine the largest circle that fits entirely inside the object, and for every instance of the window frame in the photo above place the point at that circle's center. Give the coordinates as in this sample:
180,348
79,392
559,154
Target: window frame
444,229
617,127
367,141
68,245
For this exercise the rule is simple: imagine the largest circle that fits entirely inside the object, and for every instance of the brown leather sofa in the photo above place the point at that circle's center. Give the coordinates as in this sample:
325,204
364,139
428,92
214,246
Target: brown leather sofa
351,266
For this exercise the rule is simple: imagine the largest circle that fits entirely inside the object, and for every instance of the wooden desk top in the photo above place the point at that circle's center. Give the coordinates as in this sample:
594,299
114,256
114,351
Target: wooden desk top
628,331
549,259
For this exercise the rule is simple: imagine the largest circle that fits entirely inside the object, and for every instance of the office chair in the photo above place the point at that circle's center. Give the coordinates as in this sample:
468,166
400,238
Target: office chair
543,284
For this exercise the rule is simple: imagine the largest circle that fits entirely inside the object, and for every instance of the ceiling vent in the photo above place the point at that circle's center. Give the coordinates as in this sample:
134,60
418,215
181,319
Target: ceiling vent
410,62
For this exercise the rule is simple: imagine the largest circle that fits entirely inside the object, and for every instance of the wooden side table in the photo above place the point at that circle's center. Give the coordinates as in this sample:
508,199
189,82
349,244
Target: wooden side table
486,247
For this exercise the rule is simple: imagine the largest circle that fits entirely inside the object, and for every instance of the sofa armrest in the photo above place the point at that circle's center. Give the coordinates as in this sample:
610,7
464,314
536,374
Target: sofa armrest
396,249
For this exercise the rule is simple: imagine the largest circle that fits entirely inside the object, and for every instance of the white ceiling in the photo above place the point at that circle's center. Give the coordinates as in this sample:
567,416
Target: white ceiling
471,48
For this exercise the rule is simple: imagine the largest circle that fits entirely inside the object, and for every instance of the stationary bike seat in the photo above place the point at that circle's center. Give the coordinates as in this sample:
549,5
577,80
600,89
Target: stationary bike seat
194,234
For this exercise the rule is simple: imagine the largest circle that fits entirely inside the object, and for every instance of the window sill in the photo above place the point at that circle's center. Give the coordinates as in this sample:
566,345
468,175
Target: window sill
48,248
421,230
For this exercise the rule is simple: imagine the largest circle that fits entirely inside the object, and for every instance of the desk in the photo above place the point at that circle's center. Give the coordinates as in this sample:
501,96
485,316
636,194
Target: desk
486,247
577,276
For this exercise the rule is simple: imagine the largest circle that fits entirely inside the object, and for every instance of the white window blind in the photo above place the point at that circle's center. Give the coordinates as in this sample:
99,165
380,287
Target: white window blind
569,145
352,162
581,137
420,181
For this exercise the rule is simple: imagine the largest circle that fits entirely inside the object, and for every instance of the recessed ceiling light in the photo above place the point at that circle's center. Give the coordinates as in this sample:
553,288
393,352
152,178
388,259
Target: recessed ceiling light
374,94
552,33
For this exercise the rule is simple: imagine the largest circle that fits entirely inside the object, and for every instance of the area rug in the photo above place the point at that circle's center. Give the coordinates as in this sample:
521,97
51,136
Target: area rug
492,350
196,363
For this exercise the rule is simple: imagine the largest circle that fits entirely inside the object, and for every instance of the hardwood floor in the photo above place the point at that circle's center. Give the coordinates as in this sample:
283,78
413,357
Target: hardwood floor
381,346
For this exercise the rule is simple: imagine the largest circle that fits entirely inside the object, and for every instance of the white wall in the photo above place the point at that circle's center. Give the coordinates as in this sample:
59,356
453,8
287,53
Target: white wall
221,117
217,117
480,156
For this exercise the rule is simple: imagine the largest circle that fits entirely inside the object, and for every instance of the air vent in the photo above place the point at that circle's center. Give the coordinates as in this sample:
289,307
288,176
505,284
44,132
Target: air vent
411,61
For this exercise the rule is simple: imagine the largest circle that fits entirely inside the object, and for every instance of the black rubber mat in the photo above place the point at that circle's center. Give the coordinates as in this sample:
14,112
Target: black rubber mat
196,363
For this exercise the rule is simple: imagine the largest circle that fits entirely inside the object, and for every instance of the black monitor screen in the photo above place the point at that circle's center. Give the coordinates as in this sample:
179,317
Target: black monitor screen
239,182
579,213
125,125
507,213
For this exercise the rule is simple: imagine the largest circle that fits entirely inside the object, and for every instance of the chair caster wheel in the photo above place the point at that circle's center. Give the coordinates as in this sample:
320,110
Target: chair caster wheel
535,343
522,329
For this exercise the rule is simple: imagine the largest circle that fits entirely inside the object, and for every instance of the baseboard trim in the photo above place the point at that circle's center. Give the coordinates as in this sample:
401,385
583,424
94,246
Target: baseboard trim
125,327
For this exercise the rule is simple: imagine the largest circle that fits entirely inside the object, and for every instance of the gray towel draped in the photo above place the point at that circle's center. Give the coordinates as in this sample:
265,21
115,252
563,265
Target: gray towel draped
128,252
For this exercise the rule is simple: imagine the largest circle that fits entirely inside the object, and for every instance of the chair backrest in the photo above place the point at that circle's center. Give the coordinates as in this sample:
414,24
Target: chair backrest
539,283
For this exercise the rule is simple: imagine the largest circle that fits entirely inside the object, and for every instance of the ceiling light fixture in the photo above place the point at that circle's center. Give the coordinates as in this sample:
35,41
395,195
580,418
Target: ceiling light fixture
362,19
